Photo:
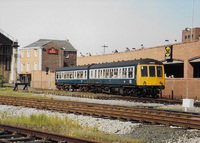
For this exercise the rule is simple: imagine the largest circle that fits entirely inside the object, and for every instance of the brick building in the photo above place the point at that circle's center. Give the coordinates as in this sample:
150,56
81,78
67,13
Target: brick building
182,70
46,54
8,55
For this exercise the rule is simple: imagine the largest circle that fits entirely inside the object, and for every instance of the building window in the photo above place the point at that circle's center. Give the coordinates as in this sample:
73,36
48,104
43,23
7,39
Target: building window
185,37
35,65
188,36
35,52
28,53
22,54
28,67
66,54
22,67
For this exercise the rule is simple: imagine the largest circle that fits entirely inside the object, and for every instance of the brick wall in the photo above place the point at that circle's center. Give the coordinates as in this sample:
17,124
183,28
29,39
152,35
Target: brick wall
41,80
181,51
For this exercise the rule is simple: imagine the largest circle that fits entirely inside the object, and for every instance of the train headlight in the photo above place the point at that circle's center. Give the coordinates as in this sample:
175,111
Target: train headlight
144,83
161,83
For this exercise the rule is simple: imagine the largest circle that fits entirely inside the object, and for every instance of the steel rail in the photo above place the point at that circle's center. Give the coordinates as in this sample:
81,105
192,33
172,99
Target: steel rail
50,137
186,120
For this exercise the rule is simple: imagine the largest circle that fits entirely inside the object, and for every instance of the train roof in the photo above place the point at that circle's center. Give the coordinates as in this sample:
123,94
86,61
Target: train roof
113,64
84,67
126,63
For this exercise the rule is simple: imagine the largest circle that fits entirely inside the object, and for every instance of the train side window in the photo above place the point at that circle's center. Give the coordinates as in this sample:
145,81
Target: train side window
152,71
57,76
115,73
104,73
124,72
107,73
159,71
111,73
120,73
144,71
65,75
130,72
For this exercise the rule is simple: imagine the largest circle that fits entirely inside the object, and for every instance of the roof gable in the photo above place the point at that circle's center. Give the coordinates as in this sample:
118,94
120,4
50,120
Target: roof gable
42,42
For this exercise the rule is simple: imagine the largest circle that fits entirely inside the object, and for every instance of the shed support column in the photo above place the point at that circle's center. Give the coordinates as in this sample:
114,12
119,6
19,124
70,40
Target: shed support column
188,70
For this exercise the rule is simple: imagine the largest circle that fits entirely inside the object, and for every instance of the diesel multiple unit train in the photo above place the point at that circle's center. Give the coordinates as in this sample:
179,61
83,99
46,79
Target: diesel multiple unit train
143,77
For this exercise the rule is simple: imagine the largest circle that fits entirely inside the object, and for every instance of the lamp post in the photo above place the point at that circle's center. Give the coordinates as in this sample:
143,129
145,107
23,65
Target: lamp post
104,46
14,63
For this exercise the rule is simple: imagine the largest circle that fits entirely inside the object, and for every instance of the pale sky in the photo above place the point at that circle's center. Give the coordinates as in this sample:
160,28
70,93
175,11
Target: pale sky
90,24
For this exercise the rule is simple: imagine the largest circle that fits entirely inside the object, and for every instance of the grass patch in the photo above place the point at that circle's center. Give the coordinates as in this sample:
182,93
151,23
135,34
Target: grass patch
63,126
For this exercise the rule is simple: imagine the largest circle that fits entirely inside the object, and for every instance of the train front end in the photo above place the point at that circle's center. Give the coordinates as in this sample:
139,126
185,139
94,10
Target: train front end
150,78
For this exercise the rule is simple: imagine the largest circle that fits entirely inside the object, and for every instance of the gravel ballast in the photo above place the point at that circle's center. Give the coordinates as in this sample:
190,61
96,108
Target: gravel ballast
145,132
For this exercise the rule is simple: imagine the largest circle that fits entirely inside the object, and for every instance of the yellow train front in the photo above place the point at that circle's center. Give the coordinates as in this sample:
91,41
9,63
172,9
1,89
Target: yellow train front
150,78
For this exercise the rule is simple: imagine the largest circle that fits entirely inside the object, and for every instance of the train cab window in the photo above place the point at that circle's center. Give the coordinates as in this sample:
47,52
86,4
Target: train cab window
152,71
144,71
159,71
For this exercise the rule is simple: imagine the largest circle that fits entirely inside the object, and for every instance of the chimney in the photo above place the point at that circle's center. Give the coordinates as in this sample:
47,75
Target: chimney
67,40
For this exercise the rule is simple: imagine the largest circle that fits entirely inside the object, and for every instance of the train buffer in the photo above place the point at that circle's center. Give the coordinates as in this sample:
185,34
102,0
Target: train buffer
16,86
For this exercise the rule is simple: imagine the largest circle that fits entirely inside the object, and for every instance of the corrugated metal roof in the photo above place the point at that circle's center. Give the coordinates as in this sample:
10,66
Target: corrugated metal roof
63,43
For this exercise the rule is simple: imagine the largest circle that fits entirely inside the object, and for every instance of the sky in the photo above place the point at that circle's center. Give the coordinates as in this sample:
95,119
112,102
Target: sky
91,24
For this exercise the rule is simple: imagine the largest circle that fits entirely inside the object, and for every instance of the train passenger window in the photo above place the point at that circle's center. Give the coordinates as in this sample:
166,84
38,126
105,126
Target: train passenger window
111,73
120,73
65,75
115,73
144,71
124,72
152,71
159,71
57,75
99,73
107,73
91,74
101,76
130,72
104,73
95,73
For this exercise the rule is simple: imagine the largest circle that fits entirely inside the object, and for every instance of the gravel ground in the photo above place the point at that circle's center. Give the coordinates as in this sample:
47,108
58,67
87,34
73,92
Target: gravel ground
147,133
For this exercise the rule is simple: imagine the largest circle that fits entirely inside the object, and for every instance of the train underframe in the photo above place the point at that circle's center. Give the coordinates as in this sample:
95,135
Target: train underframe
139,91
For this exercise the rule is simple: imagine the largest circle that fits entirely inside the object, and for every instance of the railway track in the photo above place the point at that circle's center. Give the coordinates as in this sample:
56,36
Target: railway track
185,120
9,134
166,101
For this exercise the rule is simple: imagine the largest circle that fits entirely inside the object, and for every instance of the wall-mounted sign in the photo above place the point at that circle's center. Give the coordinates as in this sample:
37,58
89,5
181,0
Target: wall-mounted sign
168,52
52,51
